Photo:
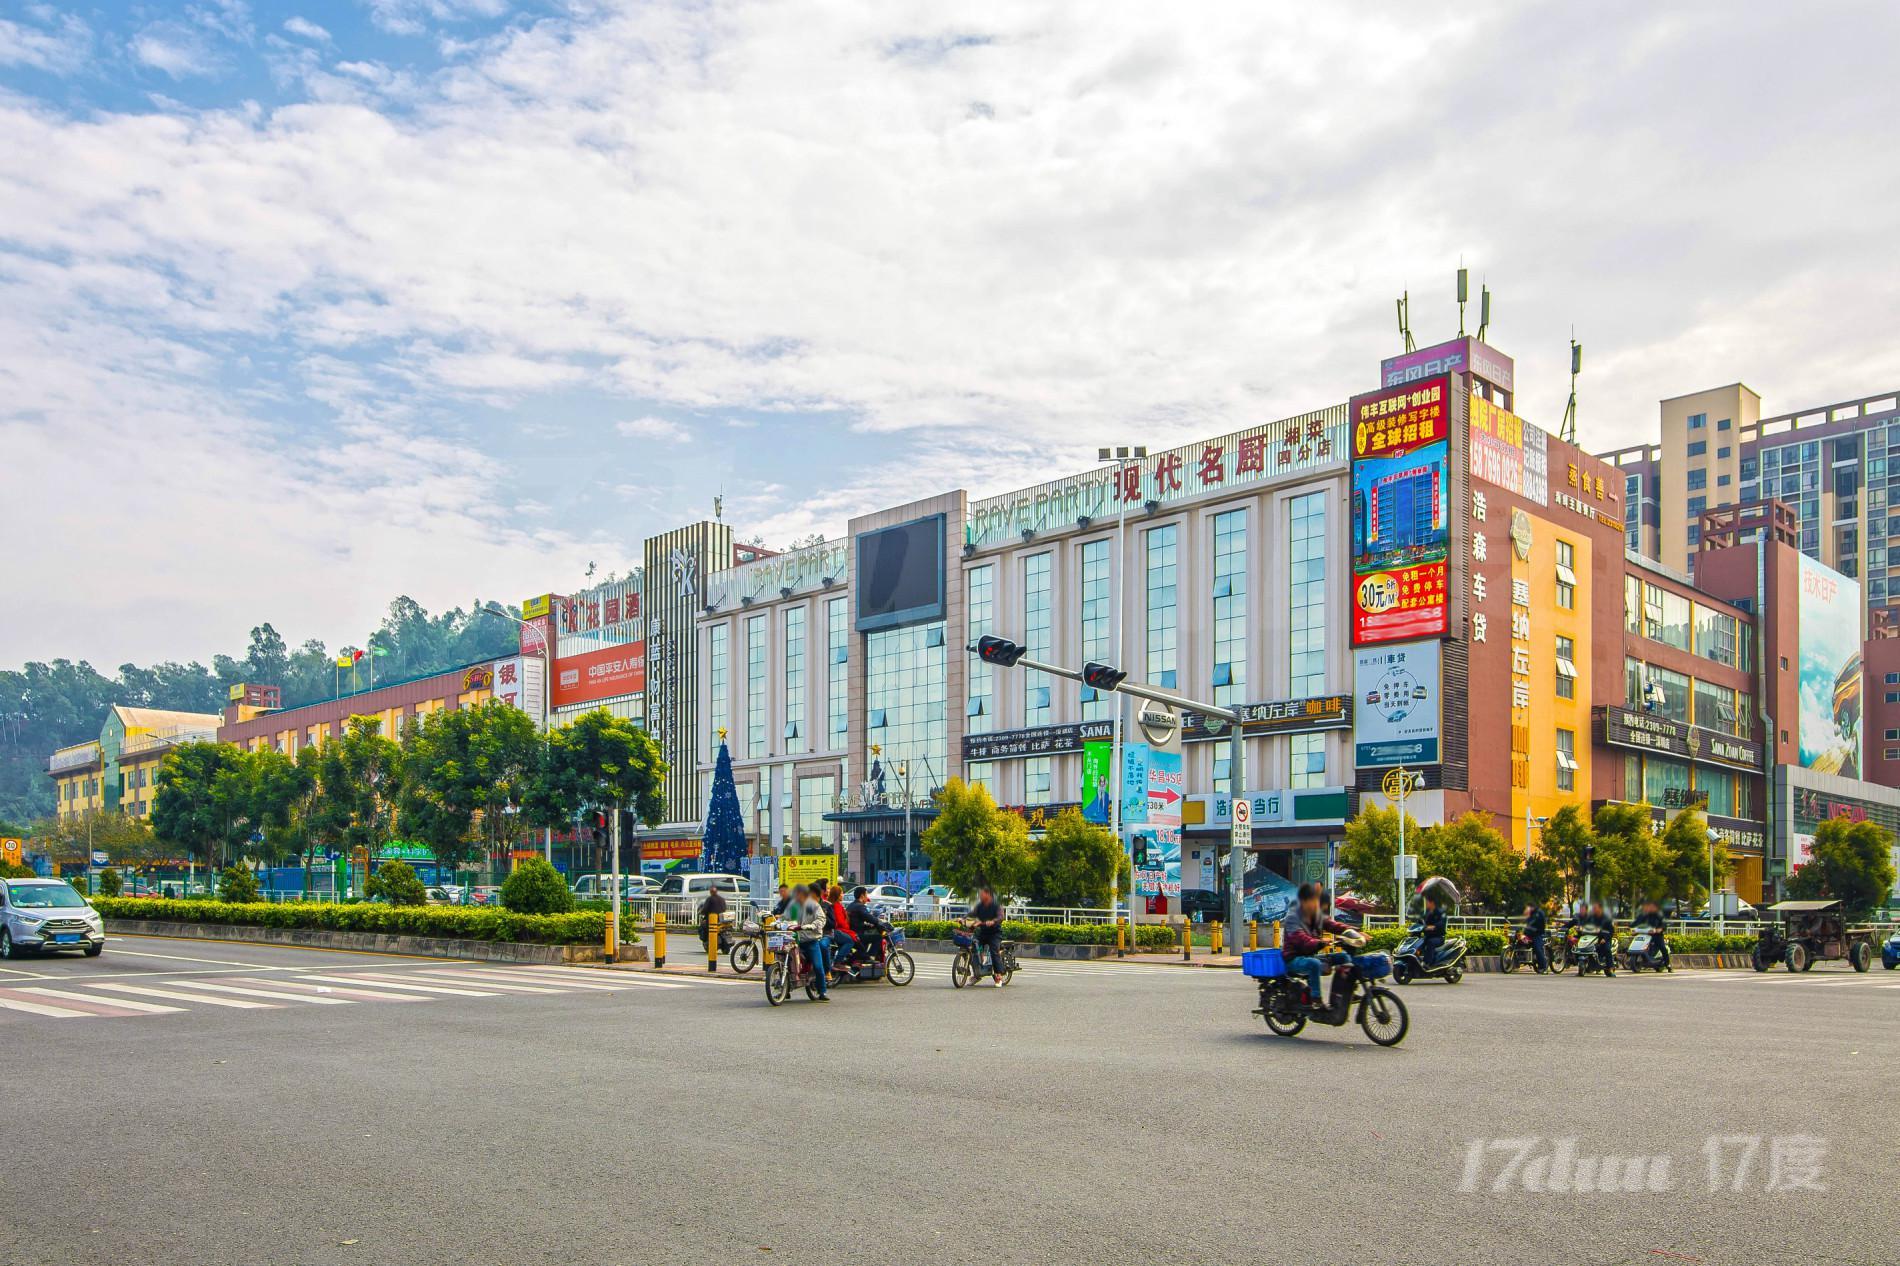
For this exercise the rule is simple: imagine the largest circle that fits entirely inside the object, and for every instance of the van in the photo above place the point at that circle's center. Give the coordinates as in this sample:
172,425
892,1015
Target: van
692,889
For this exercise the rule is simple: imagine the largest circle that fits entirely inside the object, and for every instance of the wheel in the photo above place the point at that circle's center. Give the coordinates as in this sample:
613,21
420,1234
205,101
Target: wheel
745,956
1401,973
1861,956
1758,960
901,969
7,948
93,951
961,972
1455,974
1559,961
1382,1015
1507,962
778,983
1285,1023
1796,957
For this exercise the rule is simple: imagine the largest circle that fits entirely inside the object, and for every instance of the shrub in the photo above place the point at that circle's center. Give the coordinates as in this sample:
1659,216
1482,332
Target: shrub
1146,934
535,887
110,885
17,870
475,923
396,883
237,884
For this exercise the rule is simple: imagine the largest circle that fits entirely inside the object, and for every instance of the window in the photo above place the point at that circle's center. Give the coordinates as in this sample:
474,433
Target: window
982,774
755,685
1716,635
1306,595
1307,767
1715,708
1160,576
716,673
1566,760
1566,574
1698,447
1722,452
1230,607
1697,421
1097,604
1566,667
815,799
837,664
1038,779
904,697
1721,481
1723,425
1655,690
1698,478
980,709
794,731
1036,636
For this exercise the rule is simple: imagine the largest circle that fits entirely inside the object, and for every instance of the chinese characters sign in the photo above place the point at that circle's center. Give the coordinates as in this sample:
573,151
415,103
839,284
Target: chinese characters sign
1280,716
1400,512
606,673
1395,715
1509,452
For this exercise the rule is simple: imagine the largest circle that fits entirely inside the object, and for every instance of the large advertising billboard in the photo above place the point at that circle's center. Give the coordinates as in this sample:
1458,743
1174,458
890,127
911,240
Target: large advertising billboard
607,673
1828,624
1401,512
1509,452
1396,711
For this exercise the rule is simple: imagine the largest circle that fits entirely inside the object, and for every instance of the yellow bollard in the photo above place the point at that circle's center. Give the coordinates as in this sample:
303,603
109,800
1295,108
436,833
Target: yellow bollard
612,947
1187,941
1253,934
765,955
1120,931
1276,934
659,938
1214,940
712,942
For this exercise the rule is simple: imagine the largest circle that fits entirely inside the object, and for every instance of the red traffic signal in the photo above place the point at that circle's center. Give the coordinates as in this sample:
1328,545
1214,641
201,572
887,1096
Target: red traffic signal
999,650
1101,676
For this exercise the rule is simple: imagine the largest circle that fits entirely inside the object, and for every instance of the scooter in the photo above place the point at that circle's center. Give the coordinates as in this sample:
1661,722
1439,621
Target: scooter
1519,952
1408,961
1286,1001
1587,953
1647,950
889,960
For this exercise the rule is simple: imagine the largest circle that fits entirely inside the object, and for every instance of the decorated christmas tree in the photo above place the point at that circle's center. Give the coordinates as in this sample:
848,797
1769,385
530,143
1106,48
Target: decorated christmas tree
722,846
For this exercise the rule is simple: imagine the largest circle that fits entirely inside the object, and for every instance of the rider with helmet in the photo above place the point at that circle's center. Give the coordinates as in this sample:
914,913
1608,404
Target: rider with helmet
1302,937
1649,919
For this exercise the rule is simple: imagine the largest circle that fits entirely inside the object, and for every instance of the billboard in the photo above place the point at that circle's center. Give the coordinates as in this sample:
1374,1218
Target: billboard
1463,355
1098,780
1828,625
606,673
1509,452
1401,512
1158,839
1396,697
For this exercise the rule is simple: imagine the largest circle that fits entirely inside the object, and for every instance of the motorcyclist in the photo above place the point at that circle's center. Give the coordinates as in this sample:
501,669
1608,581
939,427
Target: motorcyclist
713,906
784,900
988,914
1302,937
1534,929
1649,919
844,941
810,923
1431,930
864,924
1600,922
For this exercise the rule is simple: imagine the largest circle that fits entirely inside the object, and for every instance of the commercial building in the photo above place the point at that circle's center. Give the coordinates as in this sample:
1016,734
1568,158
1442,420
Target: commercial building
253,722
118,771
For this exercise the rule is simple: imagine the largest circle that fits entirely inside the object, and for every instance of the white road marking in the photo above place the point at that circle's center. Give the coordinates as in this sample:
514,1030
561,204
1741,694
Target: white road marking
398,982
304,991
277,994
147,1008
182,958
40,1008
553,984
175,996
483,979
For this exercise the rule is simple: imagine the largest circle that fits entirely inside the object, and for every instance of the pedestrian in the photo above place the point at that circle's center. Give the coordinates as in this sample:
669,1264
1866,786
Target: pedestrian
813,939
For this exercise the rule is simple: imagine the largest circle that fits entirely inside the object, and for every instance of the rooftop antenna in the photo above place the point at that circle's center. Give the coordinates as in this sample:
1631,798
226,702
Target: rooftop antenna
719,505
1484,311
1464,293
1405,320
1568,432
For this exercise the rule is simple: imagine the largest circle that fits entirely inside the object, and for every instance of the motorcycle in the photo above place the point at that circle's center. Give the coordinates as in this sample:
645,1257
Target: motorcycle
1286,1002
1647,950
1408,963
1587,952
964,968
789,968
889,961
1519,952
745,947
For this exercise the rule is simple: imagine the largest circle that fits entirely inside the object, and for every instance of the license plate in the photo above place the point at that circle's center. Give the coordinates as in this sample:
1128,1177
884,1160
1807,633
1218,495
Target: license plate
67,938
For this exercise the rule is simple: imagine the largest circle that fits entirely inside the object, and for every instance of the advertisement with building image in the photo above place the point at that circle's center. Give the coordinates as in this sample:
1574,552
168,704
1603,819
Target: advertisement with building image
1396,715
1401,517
1828,621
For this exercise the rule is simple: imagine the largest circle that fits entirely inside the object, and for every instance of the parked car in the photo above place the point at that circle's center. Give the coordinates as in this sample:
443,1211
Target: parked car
691,889
42,915
601,887
443,895
484,895
888,897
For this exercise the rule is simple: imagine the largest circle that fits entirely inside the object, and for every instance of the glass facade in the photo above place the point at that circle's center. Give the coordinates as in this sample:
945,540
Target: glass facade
1160,573
794,731
1038,601
816,796
904,693
1306,595
981,708
718,666
1097,629
1230,608
837,664
1307,768
1038,780
982,774
755,685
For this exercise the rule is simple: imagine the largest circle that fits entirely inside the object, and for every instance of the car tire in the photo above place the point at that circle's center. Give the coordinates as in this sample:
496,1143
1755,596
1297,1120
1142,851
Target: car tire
7,948
93,951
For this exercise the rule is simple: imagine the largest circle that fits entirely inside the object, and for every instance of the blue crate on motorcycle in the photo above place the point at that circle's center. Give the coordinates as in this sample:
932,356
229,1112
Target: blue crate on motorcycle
1372,966
1263,963
962,940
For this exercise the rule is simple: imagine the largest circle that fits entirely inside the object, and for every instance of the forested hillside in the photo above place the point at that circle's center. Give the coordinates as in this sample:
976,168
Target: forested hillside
46,706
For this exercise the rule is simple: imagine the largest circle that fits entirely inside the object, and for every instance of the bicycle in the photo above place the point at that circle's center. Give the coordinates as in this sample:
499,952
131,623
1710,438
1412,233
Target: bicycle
790,968
746,945
964,968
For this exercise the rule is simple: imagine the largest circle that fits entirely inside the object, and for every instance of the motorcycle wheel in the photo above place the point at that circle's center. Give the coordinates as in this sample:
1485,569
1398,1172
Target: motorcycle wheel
1383,1016
1283,1023
1559,962
960,971
1507,962
744,956
1401,973
778,984
1455,974
901,968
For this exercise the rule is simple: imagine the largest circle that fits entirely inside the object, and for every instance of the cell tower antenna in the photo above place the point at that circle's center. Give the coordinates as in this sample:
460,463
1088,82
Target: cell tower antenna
1568,432
1464,293
1484,311
1405,321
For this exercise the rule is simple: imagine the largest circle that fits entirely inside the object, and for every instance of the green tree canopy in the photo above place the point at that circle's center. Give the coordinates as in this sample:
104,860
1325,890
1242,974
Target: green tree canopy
1561,844
973,843
1075,863
1852,862
1370,849
396,883
466,775
1474,855
601,761
205,802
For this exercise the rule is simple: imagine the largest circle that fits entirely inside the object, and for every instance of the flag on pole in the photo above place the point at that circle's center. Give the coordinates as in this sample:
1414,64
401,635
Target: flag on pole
344,661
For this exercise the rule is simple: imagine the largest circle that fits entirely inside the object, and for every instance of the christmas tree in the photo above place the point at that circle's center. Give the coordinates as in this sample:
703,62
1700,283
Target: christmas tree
722,847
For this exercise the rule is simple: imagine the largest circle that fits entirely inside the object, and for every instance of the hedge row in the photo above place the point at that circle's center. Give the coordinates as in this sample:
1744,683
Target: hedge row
1150,935
459,922
1491,940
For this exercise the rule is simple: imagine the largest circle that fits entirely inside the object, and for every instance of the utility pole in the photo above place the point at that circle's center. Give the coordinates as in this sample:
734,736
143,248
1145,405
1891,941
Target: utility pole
1124,458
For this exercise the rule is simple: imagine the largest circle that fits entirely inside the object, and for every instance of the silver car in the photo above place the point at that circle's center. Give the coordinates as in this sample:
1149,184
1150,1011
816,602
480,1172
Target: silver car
47,914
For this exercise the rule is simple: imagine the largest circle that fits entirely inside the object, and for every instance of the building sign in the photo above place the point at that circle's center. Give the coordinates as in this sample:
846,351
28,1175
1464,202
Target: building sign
609,614
1158,841
1271,810
1401,523
1509,452
669,850
532,608
480,677
1642,732
606,673
1828,623
1040,740
1684,798
1260,455
1460,355
1039,816
802,571
1281,716
802,868
1589,494
1396,704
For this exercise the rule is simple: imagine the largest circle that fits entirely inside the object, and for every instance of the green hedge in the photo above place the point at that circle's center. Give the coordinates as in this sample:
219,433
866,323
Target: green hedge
1148,935
1491,940
462,922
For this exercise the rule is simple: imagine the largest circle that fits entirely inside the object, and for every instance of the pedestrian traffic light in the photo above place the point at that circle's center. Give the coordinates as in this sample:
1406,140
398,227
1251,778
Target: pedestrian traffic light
1101,676
999,650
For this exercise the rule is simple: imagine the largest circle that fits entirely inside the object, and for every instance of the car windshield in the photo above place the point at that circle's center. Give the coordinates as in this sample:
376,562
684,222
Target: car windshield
44,896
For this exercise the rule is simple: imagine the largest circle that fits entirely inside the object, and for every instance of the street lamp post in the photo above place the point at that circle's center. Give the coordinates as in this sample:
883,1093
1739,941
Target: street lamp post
1122,457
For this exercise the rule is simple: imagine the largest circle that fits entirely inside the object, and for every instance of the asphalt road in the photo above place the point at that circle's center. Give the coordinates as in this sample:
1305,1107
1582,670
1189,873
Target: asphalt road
336,1108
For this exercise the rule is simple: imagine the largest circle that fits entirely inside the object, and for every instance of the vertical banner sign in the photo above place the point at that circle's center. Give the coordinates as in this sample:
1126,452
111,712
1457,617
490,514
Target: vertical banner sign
1828,625
1134,783
1396,713
1161,876
1098,780
1401,512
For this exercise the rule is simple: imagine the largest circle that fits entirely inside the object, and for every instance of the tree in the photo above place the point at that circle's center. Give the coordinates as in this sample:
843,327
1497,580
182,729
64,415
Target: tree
204,802
723,846
1852,862
606,763
535,887
268,661
1472,854
356,778
396,883
237,884
1075,863
110,885
72,840
1561,844
1629,858
973,844
1685,851
466,775
1370,850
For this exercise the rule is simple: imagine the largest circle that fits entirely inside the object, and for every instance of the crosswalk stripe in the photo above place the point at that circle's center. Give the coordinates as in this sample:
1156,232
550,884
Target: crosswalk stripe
148,992
46,1009
399,982
303,990
502,975
113,1006
486,983
618,980
277,994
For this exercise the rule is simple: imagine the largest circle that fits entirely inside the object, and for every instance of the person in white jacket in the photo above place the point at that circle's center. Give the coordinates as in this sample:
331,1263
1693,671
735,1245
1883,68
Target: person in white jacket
812,939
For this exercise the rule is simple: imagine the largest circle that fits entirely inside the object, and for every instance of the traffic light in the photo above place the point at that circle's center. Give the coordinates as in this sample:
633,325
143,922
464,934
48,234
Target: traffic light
1589,856
1101,676
999,650
1139,848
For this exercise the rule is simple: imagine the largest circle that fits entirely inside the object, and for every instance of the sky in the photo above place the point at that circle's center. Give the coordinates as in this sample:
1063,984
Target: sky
306,305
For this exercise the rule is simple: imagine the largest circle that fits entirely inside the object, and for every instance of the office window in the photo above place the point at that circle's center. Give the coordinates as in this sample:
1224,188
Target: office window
1230,607
1566,668
1038,779
1698,447
904,697
982,774
755,685
1097,629
980,708
1722,451
1723,425
1307,766
1160,575
1716,633
1715,708
1037,592
794,729
1721,481
1658,691
1566,574
1697,421
1698,478
1306,595
1566,760
717,670
837,664
816,798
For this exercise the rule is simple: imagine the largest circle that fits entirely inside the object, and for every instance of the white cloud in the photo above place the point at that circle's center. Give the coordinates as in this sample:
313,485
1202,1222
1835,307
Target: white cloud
304,28
653,429
58,44
412,17
177,50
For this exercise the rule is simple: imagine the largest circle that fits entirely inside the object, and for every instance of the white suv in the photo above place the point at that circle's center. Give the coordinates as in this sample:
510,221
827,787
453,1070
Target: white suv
47,914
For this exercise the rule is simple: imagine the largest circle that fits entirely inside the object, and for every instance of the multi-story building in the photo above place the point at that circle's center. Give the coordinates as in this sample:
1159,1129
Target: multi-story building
118,771
253,722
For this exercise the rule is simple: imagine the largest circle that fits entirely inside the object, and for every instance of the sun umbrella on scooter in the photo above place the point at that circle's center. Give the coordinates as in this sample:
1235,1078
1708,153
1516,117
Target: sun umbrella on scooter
1442,888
